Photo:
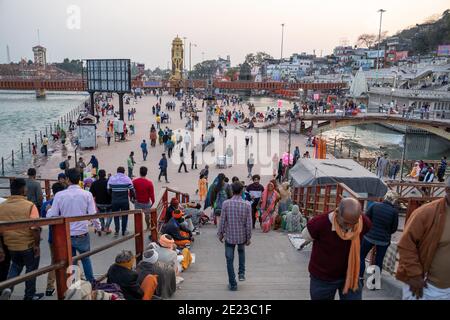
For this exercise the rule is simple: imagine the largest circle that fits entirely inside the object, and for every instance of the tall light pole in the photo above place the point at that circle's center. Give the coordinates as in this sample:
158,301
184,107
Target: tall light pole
184,54
190,64
190,55
282,38
381,11
203,56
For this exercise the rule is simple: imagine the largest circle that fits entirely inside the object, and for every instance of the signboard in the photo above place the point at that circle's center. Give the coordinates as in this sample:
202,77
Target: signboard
365,63
141,67
152,84
280,103
108,75
373,54
316,96
87,137
401,55
443,50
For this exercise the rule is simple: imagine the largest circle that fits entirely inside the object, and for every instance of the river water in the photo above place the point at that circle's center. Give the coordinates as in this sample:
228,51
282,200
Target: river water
372,139
22,116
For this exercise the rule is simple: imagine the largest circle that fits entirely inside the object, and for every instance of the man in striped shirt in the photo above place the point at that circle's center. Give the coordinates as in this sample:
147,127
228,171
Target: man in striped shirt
121,188
236,228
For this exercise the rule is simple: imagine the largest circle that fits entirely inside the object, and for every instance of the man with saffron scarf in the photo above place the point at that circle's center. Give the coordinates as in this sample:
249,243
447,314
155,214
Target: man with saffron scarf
335,258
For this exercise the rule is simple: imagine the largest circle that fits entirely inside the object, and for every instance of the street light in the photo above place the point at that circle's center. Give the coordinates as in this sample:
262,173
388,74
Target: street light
190,64
282,38
190,55
381,11
184,53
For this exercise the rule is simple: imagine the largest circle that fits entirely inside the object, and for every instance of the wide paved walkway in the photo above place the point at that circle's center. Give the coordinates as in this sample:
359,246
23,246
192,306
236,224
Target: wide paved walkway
275,270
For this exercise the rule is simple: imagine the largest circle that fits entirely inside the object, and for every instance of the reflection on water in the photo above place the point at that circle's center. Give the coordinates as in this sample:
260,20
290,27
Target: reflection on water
372,139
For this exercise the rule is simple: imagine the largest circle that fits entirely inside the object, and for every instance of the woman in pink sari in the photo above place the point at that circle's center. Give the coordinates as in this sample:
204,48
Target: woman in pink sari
269,201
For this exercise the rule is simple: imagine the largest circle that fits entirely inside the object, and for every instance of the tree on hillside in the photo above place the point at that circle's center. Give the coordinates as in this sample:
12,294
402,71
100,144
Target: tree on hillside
366,40
257,59
72,66
232,72
204,69
432,19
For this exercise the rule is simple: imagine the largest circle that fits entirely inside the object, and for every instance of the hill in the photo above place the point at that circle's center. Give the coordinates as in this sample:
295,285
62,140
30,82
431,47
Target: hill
426,37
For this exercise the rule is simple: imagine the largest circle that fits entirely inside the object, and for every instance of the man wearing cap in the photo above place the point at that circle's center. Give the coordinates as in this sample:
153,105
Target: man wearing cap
122,274
174,205
166,274
178,230
384,217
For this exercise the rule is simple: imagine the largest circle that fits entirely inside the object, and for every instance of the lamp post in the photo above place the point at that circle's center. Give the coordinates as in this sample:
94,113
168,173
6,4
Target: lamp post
203,56
190,63
184,54
381,11
392,101
403,153
282,38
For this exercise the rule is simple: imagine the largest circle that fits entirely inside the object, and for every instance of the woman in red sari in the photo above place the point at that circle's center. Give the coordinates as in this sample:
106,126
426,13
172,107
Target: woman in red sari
268,204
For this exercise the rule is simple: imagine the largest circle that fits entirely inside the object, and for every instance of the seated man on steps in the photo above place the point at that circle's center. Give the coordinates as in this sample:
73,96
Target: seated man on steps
178,229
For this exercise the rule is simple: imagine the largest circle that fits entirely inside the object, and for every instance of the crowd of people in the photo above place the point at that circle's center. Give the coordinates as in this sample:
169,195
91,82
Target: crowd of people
341,239
422,172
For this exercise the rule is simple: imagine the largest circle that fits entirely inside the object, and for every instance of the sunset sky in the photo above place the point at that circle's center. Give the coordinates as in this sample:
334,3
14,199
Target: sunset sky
143,30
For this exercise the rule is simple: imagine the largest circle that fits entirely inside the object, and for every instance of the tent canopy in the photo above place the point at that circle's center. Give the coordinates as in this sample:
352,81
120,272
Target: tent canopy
311,172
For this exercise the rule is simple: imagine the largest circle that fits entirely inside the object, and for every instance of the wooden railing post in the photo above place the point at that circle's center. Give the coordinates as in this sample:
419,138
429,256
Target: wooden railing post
154,224
339,191
139,239
47,189
327,199
62,252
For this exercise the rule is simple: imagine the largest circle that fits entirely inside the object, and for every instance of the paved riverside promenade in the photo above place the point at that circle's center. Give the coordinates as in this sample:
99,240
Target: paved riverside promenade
275,269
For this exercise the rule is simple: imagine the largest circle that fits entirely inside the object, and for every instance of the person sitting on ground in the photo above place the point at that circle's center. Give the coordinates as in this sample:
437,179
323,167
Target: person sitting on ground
121,273
174,205
167,254
192,212
165,273
294,220
166,250
178,230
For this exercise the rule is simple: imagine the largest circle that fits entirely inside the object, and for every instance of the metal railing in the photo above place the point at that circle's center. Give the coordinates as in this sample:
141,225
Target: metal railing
45,184
158,213
61,245
324,198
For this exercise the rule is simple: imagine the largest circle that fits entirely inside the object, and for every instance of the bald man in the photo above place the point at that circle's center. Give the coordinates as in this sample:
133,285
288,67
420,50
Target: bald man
424,250
336,238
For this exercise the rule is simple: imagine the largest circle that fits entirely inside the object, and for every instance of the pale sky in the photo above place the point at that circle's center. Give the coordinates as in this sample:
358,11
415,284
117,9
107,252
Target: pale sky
142,30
